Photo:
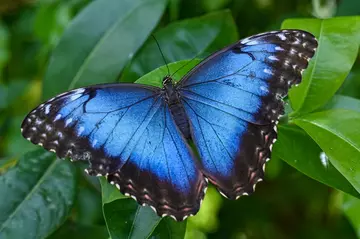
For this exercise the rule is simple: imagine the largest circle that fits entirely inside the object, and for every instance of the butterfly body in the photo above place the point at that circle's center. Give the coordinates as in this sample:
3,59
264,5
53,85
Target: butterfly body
137,135
172,98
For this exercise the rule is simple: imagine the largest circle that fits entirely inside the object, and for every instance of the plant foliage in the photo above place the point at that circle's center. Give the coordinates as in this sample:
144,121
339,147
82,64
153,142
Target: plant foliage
312,186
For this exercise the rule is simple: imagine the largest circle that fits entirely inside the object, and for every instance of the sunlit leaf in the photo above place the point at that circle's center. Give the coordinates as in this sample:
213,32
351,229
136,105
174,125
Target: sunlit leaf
297,149
351,85
338,39
343,102
337,132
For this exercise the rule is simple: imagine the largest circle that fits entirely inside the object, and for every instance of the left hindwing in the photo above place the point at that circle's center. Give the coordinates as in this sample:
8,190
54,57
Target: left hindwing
233,100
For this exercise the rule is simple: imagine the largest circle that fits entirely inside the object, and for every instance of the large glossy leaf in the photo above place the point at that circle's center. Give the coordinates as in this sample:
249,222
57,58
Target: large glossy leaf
297,149
99,42
351,86
38,194
338,46
343,102
337,132
183,40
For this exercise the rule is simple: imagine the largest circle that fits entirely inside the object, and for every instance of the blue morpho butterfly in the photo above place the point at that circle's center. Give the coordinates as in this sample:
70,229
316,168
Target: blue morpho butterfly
136,135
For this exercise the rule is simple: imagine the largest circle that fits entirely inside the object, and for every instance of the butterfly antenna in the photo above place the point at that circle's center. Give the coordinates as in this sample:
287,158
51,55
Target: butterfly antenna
187,63
162,54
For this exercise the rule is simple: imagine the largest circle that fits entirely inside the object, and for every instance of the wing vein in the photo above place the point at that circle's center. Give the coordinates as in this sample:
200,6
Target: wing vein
211,125
216,102
140,125
128,106
219,78
221,83
202,134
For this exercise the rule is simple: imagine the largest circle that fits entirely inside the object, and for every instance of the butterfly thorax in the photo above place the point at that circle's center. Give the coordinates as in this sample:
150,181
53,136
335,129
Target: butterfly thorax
176,107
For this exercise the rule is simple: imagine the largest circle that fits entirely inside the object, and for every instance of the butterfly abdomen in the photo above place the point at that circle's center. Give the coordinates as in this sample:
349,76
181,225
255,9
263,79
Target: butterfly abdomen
181,120
176,107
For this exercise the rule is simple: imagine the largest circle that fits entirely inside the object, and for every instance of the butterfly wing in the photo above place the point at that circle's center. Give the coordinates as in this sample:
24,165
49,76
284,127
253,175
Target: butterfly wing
100,124
233,100
162,172
124,131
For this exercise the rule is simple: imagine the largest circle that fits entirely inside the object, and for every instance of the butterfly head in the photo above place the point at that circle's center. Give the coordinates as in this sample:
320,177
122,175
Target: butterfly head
170,90
167,80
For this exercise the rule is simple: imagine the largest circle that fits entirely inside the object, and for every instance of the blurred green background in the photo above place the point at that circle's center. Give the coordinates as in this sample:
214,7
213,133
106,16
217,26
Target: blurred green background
287,204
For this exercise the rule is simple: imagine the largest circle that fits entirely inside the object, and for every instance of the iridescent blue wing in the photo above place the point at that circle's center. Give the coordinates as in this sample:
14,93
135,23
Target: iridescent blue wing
99,124
162,172
124,131
233,100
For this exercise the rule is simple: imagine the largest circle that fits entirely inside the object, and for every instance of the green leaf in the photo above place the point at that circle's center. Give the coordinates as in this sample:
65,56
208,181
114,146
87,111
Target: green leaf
351,208
88,205
169,228
156,76
343,102
338,47
99,42
183,40
297,149
39,193
124,217
351,85
337,132
109,194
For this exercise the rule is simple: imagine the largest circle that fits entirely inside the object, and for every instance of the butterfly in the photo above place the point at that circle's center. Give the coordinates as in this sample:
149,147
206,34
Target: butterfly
138,135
